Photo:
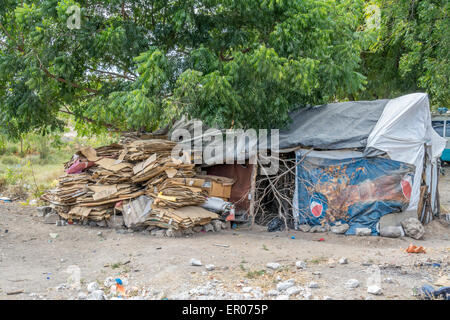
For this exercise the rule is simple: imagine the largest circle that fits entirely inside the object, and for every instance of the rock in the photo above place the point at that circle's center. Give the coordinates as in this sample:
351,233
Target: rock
307,295
282,286
82,296
304,227
272,293
273,265
340,228
93,286
413,228
115,222
352,284
43,211
195,262
300,264
101,223
392,232
317,273
109,282
217,225
313,285
92,224
208,227
158,233
51,218
96,295
343,260
317,229
187,232
197,228
363,231
180,296
293,290
388,280
209,267
374,289
173,233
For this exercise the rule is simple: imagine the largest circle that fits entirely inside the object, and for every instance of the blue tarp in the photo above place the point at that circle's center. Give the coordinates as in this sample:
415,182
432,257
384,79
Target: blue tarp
357,191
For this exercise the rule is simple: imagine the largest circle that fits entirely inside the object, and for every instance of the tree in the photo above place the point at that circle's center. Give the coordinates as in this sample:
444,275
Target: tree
411,51
140,64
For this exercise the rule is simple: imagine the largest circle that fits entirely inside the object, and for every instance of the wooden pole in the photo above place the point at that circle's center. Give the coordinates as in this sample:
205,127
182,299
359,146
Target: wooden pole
252,190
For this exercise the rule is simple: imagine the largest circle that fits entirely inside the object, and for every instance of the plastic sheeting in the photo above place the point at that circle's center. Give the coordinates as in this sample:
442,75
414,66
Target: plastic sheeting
357,190
333,126
404,131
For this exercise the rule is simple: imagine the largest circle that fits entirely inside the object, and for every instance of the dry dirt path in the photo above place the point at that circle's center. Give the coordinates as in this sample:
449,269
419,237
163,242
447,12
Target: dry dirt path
33,262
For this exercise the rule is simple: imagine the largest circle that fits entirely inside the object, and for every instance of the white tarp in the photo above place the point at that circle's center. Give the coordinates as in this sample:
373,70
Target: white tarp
402,131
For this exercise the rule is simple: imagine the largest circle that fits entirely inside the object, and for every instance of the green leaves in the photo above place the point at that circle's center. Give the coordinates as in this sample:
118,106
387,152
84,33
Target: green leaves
411,52
235,63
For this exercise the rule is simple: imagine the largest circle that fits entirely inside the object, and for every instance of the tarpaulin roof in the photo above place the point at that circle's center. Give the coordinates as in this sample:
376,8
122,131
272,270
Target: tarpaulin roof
333,126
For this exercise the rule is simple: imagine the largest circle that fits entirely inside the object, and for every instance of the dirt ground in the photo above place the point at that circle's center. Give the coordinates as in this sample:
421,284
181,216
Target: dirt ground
33,265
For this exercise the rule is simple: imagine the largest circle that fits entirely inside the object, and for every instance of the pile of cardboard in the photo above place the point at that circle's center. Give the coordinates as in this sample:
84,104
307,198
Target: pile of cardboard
140,179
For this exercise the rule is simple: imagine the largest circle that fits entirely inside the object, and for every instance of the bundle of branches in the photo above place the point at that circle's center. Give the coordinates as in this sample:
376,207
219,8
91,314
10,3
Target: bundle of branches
274,193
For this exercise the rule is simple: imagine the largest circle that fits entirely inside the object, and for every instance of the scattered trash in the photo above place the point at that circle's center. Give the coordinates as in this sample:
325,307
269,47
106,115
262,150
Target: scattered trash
5,200
195,262
414,249
10,293
221,245
273,265
429,292
53,235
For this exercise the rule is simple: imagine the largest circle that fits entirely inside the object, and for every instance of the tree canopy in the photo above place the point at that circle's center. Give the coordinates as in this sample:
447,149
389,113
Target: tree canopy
233,63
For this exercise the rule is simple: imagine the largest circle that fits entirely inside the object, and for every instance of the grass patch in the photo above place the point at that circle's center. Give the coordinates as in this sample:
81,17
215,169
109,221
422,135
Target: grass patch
255,274
318,260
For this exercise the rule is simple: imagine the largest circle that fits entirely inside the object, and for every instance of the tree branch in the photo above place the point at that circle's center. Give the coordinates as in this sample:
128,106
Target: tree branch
107,125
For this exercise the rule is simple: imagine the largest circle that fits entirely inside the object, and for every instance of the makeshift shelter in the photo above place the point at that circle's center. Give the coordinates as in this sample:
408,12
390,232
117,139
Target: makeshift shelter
358,161
352,162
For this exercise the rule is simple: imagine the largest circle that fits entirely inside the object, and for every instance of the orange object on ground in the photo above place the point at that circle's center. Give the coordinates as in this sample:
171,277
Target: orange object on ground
414,249
120,288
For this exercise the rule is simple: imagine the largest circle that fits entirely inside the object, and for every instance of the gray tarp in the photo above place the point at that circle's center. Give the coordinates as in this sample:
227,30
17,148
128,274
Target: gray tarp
333,126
